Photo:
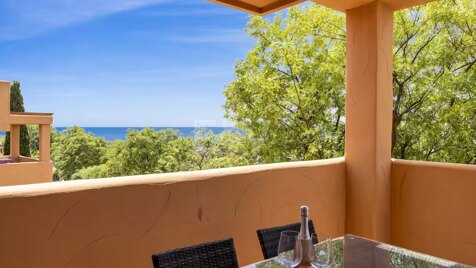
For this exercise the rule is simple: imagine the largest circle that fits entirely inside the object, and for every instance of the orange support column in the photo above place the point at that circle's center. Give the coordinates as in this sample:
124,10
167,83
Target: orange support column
44,131
369,120
4,106
15,142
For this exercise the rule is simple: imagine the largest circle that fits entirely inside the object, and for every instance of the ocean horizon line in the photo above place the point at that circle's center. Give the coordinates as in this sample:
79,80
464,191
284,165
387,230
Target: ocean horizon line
144,127
120,133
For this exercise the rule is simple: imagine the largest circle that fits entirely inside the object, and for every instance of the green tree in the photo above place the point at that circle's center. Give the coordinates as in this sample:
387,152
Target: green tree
92,172
139,153
434,82
74,149
178,155
289,90
227,149
16,105
144,152
33,132
148,151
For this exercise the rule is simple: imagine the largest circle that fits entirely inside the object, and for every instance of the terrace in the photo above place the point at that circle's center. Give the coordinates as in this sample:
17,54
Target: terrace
15,168
120,222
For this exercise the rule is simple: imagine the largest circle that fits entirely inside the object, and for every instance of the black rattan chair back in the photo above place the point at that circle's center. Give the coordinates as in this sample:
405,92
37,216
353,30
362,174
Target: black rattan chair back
216,254
269,237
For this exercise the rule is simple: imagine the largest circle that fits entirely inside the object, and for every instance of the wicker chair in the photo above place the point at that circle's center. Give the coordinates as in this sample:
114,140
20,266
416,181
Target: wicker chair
269,237
216,254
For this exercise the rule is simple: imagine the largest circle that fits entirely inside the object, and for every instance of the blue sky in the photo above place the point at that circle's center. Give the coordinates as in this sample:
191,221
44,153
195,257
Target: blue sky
122,62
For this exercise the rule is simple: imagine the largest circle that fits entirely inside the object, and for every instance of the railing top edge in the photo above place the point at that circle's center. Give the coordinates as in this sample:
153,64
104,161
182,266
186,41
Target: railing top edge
153,179
31,113
417,163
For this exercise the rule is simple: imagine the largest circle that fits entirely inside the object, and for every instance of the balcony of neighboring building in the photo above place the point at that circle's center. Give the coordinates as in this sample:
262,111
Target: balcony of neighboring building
15,168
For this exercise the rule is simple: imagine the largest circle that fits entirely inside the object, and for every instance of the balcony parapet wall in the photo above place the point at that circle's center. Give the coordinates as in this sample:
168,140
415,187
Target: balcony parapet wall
25,171
120,222
434,209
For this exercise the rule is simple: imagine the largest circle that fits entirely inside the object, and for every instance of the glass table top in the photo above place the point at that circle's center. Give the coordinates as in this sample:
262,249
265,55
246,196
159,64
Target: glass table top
353,251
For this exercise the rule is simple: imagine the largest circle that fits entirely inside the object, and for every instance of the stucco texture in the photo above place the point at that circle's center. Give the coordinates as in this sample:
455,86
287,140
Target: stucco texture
121,222
25,172
434,209
368,126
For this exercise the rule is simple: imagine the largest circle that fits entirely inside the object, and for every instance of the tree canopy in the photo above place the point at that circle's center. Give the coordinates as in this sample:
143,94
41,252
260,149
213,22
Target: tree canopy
148,151
435,82
74,150
289,90
17,105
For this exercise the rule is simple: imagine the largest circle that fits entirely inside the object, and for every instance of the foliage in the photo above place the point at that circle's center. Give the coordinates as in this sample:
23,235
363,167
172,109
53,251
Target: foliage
434,82
148,151
92,172
177,156
74,149
288,92
33,132
16,105
2,142
139,153
228,149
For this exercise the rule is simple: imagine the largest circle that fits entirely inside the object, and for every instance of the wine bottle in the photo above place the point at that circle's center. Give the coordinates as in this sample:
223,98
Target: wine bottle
305,240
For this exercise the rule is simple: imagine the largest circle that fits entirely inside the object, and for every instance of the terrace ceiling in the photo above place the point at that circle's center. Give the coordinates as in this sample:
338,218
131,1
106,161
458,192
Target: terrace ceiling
263,7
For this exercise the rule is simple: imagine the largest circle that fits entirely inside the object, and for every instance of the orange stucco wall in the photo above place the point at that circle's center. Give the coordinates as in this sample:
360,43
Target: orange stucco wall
368,127
4,106
120,222
26,171
434,209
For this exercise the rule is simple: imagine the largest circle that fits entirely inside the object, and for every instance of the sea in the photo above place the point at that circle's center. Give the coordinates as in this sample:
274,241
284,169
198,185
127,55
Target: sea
119,133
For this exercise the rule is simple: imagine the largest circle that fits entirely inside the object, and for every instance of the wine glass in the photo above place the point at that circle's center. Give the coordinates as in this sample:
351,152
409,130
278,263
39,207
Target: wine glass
289,249
324,253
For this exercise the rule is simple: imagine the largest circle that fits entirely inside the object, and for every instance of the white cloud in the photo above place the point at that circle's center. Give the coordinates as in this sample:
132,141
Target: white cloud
26,18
